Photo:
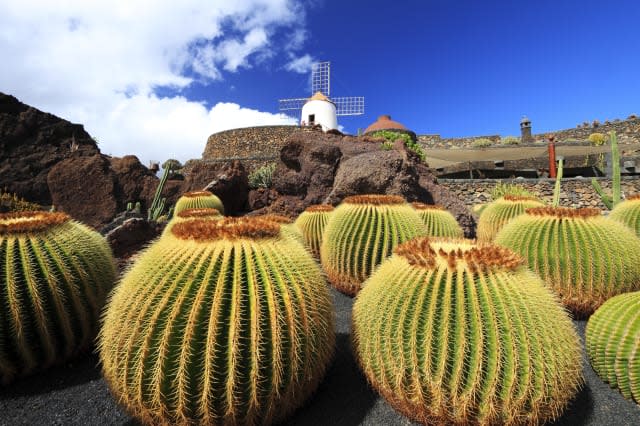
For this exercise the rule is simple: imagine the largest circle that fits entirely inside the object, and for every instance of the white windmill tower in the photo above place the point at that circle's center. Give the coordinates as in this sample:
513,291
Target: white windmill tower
320,108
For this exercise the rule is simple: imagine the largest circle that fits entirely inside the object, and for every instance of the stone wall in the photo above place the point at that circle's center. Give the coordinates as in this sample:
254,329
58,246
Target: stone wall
254,146
576,192
628,131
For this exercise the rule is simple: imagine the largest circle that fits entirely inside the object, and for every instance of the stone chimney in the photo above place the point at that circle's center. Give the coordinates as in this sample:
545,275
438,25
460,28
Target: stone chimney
525,130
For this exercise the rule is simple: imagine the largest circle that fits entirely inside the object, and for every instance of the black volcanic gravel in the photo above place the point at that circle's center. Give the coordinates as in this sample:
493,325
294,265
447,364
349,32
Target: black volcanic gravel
75,394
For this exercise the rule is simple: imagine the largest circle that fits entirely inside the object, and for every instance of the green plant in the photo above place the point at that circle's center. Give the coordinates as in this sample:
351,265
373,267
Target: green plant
612,341
628,213
611,200
481,143
450,332
581,255
172,164
311,224
391,137
157,205
13,203
262,177
361,233
499,212
556,188
501,189
55,274
198,200
597,139
510,140
220,322
438,221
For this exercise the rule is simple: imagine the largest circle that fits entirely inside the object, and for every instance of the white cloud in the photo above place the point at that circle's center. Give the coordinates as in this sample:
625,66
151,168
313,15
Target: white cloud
98,63
300,65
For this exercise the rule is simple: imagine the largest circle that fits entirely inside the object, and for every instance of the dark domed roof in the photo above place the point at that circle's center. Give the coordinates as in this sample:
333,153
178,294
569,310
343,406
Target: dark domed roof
384,123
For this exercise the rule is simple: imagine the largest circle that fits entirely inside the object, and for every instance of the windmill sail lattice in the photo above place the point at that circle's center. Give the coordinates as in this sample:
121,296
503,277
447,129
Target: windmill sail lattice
320,82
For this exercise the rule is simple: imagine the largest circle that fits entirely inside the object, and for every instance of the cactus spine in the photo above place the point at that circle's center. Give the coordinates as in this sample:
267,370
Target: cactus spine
220,322
453,333
498,213
581,255
439,222
311,224
628,213
361,233
198,200
55,274
613,343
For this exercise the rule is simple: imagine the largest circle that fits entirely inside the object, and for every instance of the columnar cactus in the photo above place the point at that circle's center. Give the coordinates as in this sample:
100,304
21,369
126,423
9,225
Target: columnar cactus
191,214
439,222
311,224
498,213
55,275
220,322
361,233
453,333
628,213
198,200
581,255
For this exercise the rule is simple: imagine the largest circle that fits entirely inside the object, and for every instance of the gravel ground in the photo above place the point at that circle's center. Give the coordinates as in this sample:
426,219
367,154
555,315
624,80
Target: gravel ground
75,394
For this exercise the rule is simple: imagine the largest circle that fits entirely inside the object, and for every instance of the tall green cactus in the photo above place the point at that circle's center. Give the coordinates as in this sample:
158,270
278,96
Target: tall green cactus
581,255
220,322
499,212
157,205
198,200
55,274
439,221
556,188
613,343
628,213
361,233
611,200
450,332
311,224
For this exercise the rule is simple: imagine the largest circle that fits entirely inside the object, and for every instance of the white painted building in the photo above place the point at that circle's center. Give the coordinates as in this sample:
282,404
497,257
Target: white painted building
319,110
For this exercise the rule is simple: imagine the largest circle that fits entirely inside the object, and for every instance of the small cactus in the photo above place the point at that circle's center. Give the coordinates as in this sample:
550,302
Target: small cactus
499,212
450,332
198,200
55,275
612,341
220,322
581,255
311,224
439,222
361,233
628,213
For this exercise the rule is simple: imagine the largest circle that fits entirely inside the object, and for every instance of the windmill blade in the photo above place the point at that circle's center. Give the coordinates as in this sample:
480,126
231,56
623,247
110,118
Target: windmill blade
320,78
291,104
349,105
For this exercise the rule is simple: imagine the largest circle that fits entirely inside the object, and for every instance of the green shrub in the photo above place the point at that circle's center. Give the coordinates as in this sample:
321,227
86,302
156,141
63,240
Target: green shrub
262,177
510,140
597,139
13,203
481,143
502,189
392,136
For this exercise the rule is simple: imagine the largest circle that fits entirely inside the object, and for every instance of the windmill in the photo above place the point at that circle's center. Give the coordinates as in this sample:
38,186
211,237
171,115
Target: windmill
320,108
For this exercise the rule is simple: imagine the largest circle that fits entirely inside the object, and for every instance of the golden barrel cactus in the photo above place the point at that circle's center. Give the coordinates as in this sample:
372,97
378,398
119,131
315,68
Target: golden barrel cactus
450,332
220,322
191,214
628,213
439,221
499,212
581,255
361,233
311,224
198,200
55,274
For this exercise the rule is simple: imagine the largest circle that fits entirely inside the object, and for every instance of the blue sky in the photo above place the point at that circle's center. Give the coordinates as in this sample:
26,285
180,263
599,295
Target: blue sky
156,81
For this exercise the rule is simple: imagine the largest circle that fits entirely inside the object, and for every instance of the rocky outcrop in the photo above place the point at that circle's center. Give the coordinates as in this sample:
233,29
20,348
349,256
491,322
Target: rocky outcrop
31,143
324,168
228,181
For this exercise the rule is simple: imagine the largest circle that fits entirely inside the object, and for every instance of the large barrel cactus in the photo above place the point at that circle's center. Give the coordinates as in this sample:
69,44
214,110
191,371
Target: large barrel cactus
613,343
499,212
628,213
439,221
311,224
198,200
584,257
220,322
450,332
361,233
287,226
191,214
55,275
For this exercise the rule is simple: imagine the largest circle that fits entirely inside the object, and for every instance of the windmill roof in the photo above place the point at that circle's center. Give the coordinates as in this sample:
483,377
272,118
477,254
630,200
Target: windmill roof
384,122
318,96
